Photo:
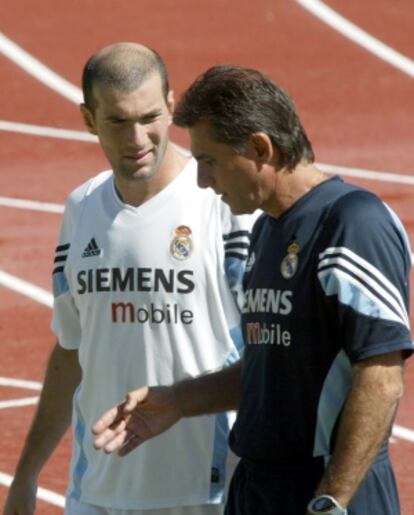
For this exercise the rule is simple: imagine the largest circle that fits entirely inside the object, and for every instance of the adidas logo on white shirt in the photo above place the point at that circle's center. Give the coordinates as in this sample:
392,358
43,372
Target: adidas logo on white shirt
91,249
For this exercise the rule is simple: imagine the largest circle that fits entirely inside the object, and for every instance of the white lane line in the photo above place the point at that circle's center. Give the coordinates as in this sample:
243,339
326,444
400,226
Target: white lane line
403,433
20,383
38,70
26,288
371,175
17,403
31,205
42,493
359,36
49,132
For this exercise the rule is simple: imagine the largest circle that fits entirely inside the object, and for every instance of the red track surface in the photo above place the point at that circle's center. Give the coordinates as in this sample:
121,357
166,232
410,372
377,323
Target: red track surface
358,111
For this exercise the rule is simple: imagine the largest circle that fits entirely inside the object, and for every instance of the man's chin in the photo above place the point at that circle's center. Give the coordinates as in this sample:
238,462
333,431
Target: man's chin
243,210
238,210
137,174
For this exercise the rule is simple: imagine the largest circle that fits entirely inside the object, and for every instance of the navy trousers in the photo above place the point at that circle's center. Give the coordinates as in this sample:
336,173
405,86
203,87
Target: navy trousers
269,490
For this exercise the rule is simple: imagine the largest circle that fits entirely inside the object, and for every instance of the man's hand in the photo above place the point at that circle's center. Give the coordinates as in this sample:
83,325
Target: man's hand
149,411
21,499
145,413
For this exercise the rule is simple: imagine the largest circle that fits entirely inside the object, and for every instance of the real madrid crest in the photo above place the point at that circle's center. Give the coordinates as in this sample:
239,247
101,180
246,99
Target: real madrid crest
181,246
290,262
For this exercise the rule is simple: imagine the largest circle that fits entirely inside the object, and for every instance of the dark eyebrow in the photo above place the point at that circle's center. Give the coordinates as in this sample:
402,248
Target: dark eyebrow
115,117
120,118
154,112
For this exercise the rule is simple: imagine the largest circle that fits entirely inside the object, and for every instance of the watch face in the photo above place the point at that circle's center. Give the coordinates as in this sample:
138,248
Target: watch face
323,504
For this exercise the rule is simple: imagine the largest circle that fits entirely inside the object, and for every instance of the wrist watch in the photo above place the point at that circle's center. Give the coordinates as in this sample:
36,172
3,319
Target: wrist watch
326,505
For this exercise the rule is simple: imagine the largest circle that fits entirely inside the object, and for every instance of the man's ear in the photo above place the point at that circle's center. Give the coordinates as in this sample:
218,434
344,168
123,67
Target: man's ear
88,118
170,104
262,147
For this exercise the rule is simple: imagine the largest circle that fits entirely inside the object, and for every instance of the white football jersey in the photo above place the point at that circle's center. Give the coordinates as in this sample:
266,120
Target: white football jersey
148,296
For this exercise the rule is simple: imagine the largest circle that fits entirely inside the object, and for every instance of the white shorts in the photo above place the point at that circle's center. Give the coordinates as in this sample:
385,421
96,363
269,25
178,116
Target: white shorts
74,507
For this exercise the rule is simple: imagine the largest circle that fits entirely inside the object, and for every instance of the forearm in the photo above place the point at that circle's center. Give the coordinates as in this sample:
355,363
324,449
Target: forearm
365,423
53,414
212,393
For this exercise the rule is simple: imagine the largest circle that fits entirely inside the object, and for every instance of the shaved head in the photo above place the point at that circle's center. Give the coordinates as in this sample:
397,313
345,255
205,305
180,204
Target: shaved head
123,66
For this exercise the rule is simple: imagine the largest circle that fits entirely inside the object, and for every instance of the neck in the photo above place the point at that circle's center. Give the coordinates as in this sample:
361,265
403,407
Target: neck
136,192
291,185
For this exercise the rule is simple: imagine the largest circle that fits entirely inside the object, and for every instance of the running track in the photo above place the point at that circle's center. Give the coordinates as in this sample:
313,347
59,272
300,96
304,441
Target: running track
355,98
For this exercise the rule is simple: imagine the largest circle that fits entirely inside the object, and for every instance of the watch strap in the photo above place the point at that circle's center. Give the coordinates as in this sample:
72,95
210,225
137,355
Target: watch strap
336,509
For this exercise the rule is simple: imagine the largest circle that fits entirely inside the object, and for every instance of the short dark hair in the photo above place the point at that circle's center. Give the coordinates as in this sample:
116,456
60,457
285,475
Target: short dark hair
238,102
123,66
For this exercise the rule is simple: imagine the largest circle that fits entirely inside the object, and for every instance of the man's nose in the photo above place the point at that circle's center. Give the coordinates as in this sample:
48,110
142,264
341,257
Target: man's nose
138,135
204,177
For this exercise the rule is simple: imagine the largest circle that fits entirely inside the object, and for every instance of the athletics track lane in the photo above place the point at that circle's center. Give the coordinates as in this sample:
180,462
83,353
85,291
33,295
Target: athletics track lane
357,110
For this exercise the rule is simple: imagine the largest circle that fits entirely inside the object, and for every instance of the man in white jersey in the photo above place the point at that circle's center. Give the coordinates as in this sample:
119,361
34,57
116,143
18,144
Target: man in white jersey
146,279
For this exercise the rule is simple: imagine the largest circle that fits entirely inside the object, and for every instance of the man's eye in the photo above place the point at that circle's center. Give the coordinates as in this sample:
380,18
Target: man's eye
149,118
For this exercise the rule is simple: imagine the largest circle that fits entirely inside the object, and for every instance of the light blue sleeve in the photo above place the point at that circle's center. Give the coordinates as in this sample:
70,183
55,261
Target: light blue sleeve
65,320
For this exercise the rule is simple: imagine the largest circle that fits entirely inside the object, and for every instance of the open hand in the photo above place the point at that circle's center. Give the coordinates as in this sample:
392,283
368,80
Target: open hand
143,414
